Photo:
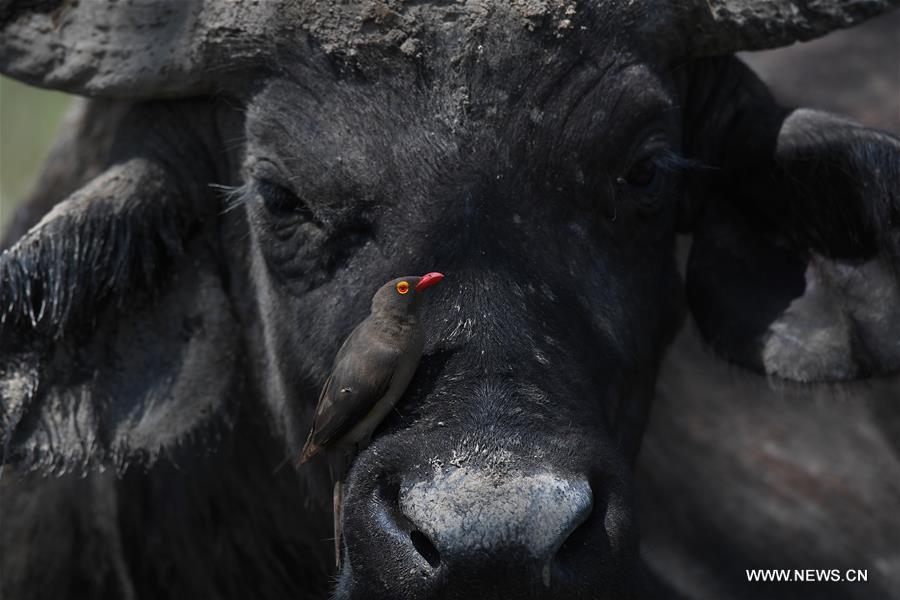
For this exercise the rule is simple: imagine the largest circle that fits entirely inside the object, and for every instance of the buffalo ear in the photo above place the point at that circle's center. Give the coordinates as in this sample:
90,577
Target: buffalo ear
793,269
117,340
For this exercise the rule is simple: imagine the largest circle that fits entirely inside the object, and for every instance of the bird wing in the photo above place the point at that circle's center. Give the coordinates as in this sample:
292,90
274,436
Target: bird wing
361,376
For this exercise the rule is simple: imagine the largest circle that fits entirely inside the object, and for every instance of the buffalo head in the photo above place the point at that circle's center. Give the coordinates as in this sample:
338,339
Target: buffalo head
543,155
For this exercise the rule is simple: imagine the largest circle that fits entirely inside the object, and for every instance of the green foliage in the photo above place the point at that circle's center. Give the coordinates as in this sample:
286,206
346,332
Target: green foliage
29,120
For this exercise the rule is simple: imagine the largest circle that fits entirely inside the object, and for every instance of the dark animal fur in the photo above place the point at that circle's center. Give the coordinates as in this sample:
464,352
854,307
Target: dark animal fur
98,250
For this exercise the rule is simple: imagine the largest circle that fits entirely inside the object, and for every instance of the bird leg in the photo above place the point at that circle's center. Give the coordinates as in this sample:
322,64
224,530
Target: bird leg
338,499
338,474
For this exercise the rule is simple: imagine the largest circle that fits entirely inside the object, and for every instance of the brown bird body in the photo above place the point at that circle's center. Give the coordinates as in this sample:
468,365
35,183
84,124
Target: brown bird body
371,371
372,368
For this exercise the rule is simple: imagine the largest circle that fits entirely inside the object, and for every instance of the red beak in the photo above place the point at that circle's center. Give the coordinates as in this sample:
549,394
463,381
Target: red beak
427,281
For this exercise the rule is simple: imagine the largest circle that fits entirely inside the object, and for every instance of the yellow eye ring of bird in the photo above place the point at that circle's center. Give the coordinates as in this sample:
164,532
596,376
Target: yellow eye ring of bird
403,287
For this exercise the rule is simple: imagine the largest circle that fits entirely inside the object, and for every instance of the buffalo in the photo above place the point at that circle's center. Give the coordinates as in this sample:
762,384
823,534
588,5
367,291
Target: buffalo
246,175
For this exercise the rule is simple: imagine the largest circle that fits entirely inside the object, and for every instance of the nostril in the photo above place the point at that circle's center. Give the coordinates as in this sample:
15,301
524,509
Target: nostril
424,547
394,519
578,534
583,525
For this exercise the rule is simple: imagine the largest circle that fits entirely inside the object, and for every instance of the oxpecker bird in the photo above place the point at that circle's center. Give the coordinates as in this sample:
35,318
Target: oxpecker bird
372,368
371,371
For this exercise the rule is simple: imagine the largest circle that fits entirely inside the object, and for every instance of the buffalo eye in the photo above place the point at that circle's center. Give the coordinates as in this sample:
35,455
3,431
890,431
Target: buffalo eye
282,202
643,175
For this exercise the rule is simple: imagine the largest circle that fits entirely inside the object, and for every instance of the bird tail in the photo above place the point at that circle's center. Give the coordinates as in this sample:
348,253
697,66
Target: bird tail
310,449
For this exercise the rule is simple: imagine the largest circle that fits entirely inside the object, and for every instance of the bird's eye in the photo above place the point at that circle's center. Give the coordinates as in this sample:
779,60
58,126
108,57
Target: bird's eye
403,287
